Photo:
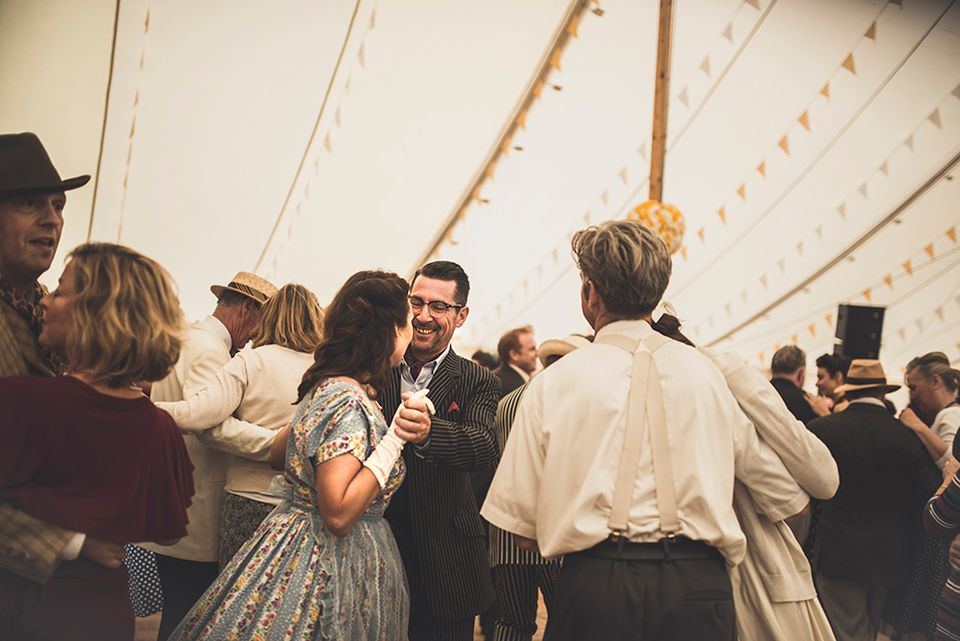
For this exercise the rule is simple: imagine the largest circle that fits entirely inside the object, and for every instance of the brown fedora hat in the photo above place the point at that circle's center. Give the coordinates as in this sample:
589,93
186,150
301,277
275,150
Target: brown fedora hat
25,168
250,285
866,373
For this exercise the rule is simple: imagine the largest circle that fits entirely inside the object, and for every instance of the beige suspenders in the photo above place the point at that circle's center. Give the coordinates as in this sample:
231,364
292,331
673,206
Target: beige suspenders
645,405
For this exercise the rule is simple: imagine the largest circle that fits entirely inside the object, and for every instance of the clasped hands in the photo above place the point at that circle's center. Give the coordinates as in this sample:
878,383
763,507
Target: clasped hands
412,421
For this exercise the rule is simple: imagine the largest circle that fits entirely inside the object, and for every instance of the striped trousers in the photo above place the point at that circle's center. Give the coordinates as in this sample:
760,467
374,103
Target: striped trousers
516,586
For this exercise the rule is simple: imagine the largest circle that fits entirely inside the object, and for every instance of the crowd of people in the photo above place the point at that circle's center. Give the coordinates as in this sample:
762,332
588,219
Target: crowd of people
284,470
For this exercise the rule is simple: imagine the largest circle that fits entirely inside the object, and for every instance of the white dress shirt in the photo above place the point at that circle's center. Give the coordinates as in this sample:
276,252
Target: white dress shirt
252,397
556,477
523,375
945,425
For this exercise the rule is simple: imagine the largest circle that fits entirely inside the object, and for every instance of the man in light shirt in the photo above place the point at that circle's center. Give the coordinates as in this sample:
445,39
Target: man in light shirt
649,561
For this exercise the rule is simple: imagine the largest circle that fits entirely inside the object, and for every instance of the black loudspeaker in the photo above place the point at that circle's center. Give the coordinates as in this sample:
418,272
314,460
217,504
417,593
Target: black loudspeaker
859,328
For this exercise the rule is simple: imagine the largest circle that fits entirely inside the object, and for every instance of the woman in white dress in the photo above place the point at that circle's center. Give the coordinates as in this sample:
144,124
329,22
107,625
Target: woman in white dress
253,398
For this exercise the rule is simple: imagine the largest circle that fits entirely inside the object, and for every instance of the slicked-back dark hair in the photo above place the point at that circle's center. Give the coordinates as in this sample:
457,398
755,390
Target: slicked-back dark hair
446,270
833,364
359,331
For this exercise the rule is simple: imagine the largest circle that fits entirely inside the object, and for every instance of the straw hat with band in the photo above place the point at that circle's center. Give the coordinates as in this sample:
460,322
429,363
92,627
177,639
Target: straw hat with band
865,373
26,170
560,347
249,285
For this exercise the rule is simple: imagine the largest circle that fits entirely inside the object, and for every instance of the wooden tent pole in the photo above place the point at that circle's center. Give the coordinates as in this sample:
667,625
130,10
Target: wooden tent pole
661,95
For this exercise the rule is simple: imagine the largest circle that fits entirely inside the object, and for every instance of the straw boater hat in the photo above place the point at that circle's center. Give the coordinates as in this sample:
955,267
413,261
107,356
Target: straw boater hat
25,168
560,347
866,373
250,285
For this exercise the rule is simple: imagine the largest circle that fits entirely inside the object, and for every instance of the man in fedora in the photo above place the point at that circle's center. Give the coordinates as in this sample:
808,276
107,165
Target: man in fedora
32,200
868,530
189,567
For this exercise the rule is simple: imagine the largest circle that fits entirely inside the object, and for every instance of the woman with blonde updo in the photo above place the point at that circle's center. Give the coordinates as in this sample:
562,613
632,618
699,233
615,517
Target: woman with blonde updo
89,452
252,398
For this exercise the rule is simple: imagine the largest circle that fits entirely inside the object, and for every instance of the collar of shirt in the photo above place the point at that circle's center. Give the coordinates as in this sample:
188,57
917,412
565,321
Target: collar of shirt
213,325
637,328
869,401
523,374
408,384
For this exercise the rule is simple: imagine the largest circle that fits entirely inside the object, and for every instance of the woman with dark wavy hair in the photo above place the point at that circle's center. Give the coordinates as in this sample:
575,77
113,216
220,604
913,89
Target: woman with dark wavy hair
324,565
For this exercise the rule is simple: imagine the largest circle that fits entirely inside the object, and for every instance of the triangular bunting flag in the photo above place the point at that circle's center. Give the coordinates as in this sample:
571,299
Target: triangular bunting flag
819,232
782,265
490,169
760,358
935,119
952,234
505,147
776,347
762,168
326,142
754,3
908,267
742,191
727,308
705,66
136,97
522,120
842,210
885,168
146,21
346,86
812,328
605,197
763,280
863,189
909,142
316,165
800,248
336,117
476,194
867,294
642,150
929,250
848,64
586,217
784,144
804,119
794,339
829,319
574,25
939,312
623,174
902,332
825,91
683,251
743,295
555,60
555,254
919,323
683,97
538,90
722,213
888,280
871,32
728,32
361,55
700,233
142,54
373,18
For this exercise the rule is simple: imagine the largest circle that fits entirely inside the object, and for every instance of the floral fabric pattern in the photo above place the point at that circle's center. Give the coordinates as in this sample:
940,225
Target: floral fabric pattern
294,579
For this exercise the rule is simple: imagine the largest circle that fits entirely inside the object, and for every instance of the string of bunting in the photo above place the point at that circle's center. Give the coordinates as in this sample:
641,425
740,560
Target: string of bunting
940,248
319,146
638,156
778,268
133,123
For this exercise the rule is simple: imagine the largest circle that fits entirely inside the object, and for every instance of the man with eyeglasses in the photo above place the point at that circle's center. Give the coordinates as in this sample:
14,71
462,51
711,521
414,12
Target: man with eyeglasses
32,199
434,515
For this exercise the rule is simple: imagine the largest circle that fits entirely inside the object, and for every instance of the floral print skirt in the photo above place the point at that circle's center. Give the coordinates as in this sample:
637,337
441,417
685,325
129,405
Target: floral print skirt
294,580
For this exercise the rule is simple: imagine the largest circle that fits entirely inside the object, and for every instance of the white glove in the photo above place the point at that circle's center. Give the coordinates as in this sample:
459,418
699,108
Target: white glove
384,456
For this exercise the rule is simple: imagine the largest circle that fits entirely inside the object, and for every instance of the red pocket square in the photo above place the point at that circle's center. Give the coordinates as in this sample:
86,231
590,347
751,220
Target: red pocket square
453,407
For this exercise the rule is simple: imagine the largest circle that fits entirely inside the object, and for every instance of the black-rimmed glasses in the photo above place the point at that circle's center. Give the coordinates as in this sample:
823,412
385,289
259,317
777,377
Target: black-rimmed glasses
436,306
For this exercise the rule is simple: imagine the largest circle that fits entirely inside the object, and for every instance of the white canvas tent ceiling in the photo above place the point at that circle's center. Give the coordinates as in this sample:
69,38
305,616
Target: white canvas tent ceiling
812,147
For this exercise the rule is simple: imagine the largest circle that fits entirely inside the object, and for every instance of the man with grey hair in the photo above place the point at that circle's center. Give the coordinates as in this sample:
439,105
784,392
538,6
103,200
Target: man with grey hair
788,370
623,457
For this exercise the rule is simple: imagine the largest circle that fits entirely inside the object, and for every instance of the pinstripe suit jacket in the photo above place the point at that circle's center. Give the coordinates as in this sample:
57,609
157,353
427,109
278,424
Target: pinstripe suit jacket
449,547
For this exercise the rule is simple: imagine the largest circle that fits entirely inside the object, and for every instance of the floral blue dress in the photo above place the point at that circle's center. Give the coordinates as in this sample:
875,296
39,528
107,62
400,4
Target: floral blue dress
294,579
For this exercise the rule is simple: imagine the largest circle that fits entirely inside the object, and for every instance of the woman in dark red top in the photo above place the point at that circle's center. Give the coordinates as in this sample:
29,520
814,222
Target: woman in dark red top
88,451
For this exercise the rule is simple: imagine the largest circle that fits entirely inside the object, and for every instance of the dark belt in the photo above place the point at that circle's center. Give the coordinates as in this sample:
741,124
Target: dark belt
672,549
